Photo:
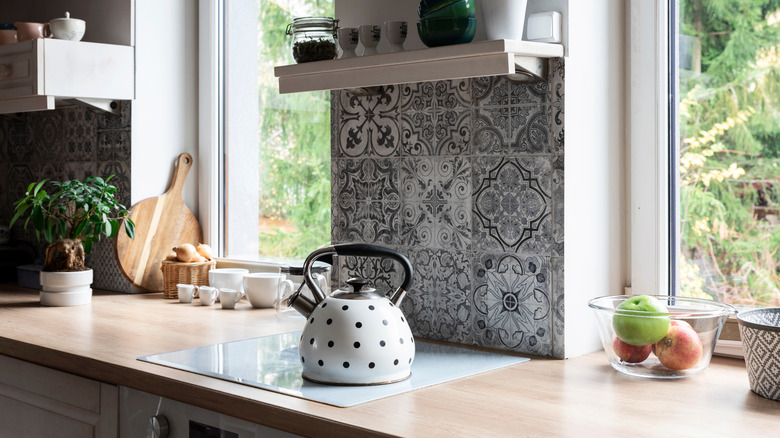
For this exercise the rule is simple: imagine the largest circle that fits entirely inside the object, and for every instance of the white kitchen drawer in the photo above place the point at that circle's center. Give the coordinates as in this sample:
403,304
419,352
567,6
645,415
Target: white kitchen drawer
45,70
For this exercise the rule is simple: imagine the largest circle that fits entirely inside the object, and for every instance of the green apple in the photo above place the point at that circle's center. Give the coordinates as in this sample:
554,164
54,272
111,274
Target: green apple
641,320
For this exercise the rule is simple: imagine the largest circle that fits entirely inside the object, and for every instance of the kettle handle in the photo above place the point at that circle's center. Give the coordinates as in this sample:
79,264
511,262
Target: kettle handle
359,250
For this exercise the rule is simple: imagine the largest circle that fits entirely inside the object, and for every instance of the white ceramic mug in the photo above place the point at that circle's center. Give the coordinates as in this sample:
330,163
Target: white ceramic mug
282,309
229,297
369,37
186,292
263,289
396,31
231,278
348,41
207,295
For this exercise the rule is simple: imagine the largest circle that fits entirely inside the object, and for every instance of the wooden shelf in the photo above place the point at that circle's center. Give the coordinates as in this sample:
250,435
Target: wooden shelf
484,58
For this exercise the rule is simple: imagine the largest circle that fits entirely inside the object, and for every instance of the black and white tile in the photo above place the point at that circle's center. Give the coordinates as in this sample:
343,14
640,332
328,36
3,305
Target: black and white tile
67,143
465,177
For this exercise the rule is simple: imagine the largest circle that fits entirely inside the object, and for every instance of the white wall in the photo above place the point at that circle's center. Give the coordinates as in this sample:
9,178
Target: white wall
595,212
165,111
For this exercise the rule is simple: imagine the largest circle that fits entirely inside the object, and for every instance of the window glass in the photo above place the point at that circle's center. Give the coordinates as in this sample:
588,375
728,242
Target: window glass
729,175
294,142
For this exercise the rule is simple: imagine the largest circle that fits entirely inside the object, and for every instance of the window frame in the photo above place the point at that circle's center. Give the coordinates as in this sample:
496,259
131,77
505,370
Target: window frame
652,258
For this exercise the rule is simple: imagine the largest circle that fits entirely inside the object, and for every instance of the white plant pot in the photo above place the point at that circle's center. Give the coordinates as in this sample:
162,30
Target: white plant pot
66,288
503,19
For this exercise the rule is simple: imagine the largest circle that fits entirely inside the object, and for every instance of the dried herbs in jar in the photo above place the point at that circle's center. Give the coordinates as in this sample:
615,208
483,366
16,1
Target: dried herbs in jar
313,38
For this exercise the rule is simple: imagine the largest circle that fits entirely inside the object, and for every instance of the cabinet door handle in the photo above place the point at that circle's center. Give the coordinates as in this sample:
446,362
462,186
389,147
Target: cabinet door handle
5,70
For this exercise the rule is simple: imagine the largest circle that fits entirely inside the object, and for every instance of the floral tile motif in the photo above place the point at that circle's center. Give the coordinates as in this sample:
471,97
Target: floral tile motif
512,204
121,179
80,134
495,91
47,126
335,122
20,142
369,124
435,180
383,274
512,303
429,225
435,118
113,144
558,202
418,225
556,79
367,221
558,350
512,129
366,179
438,304
121,121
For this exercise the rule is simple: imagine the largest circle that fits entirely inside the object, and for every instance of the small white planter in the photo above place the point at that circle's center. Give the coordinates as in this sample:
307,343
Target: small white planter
66,288
503,19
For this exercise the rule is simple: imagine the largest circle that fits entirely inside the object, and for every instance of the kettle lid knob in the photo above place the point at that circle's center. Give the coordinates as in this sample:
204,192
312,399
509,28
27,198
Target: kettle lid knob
357,284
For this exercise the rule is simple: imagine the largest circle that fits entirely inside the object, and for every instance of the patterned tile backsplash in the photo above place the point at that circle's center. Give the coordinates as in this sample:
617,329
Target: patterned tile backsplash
465,177
66,143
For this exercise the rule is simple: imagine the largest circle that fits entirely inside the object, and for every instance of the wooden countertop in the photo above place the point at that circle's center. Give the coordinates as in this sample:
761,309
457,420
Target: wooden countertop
582,396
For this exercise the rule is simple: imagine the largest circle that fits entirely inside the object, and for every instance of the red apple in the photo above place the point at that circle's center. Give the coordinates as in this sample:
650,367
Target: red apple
630,353
681,348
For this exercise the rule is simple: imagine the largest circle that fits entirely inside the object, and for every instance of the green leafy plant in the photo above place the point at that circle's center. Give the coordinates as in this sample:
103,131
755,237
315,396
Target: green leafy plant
81,211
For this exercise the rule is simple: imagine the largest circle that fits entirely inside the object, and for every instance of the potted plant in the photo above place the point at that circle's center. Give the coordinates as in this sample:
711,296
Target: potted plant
72,218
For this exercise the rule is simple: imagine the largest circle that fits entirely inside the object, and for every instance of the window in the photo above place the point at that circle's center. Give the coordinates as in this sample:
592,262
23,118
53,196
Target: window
729,150
271,176
712,94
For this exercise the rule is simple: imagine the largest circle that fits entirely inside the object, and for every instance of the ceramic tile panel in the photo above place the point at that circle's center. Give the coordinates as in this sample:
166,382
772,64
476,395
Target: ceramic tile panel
66,143
513,302
477,204
512,204
558,308
369,125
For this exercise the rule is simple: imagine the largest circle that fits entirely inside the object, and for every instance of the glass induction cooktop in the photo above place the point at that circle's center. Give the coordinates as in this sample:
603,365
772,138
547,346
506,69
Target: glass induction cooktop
272,363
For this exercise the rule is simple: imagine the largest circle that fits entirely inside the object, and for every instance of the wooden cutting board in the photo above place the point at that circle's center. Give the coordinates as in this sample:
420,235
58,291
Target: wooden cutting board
161,223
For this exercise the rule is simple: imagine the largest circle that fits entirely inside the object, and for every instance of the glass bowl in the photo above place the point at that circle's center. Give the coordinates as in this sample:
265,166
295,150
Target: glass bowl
679,353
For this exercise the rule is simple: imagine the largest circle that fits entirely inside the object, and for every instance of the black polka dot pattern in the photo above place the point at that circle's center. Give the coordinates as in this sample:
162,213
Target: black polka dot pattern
330,344
382,343
344,307
384,322
358,324
371,365
346,364
329,321
356,344
371,308
320,362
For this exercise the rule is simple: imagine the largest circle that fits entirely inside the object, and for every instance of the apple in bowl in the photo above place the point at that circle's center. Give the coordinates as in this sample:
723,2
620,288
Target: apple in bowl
681,348
641,320
631,353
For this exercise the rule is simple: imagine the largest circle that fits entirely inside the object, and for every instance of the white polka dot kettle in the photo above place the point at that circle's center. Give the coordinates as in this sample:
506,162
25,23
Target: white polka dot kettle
357,336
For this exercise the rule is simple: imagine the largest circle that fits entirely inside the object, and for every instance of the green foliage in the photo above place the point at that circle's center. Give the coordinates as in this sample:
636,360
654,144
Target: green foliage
76,210
730,126
294,145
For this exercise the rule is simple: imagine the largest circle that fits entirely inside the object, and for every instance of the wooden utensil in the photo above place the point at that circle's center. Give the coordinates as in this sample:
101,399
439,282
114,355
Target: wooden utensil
161,222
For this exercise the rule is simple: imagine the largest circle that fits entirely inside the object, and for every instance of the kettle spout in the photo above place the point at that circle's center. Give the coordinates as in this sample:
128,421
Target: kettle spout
303,305
398,296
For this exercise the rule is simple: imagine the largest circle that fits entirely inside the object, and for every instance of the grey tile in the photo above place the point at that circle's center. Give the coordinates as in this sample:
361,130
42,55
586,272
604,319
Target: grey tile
436,131
121,179
366,179
418,225
512,129
498,91
512,303
558,206
48,138
80,134
369,125
557,129
109,121
368,221
440,179
20,142
438,305
418,136
113,144
436,96
558,350
417,178
511,204
556,80
384,274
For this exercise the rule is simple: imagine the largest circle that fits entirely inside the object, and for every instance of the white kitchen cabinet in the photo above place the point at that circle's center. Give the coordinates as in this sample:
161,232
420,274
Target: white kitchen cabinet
38,74
36,401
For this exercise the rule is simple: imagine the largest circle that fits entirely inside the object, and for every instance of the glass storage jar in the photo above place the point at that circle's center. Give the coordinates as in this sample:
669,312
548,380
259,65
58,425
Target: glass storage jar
313,38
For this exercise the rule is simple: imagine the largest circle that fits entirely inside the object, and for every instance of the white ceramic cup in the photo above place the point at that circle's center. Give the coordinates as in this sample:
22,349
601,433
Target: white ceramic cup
186,292
208,295
67,28
369,37
263,289
503,19
396,31
230,278
348,41
282,309
229,297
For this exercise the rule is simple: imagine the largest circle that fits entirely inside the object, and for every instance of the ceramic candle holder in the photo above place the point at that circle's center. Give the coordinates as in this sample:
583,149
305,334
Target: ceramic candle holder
369,37
348,41
396,34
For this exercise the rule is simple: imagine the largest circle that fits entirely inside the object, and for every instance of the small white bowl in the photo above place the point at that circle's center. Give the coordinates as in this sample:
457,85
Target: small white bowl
68,28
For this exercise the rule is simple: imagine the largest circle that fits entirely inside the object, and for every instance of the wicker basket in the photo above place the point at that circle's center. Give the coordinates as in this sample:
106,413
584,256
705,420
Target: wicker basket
184,273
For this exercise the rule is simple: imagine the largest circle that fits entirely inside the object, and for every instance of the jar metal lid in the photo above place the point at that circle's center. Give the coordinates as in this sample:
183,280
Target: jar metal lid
309,23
